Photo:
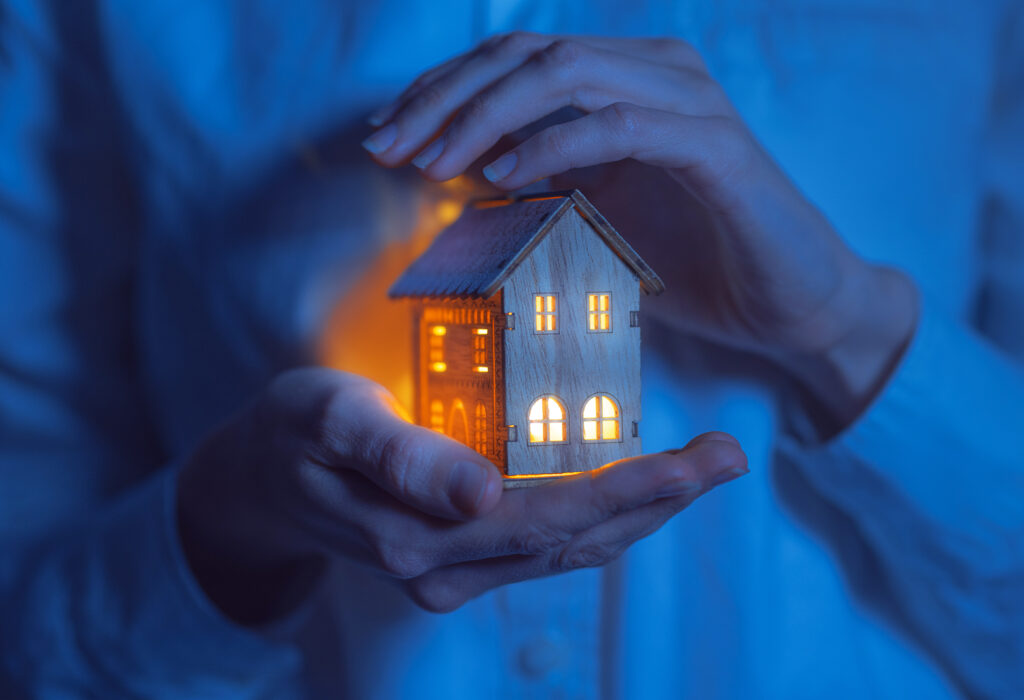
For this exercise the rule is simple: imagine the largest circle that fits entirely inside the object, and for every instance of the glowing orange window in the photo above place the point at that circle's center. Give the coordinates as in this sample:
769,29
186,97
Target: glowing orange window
546,313
480,428
435,348
547,421
437,416
599,312
601,419
480,350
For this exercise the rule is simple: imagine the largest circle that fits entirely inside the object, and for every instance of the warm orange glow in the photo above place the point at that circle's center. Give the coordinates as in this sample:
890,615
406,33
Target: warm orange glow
601,420
435,348
437,416
481,368
541,476
542,198
448,210
458,424
366,333
491,203
599,317
480,348
546,313
547,420
480,331
482,440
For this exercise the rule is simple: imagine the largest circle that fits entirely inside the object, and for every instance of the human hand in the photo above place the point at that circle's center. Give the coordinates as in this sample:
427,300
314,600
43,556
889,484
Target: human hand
765,272
324,466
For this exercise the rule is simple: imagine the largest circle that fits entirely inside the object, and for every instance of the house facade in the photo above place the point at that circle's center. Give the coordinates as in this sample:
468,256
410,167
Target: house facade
527,335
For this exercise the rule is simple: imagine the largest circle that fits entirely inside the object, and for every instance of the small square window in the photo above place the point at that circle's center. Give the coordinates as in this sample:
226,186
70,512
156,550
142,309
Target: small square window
545,313
599,312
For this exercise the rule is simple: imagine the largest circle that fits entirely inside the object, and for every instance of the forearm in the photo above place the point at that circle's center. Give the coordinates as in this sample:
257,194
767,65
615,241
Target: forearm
931,474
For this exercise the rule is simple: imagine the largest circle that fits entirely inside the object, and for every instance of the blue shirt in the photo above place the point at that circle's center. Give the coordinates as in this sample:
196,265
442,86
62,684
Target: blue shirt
185,211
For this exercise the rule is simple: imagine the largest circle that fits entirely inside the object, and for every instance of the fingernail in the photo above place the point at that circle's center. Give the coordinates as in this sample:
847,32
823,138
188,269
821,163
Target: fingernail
381,140
466,485
677,488
377,118
727,475
429,154
500,169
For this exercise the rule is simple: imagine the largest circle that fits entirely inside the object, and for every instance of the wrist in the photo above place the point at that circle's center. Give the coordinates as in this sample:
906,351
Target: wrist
874,320
240,555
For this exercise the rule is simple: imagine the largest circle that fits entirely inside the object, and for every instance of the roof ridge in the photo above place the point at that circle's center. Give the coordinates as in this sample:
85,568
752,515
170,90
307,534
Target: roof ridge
482,270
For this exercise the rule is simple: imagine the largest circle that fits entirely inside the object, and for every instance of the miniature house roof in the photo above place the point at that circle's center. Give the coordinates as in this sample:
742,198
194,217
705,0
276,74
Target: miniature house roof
476,254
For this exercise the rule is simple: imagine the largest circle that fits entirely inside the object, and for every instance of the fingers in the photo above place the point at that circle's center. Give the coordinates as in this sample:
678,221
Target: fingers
361,428
706,151
540,519
512,80
711,460
425,109
565,73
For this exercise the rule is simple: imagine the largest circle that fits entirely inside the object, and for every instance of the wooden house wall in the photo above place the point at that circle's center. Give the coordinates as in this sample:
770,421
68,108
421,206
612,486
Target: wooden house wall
459,381
571,364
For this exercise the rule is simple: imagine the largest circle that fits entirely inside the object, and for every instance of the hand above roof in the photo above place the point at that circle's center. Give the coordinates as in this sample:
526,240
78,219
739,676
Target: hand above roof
765,272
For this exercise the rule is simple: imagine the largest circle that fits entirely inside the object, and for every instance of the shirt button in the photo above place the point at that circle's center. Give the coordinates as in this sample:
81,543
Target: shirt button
541,656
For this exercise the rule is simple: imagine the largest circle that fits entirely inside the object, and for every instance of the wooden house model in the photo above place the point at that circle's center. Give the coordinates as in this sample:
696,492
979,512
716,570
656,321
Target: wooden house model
526,327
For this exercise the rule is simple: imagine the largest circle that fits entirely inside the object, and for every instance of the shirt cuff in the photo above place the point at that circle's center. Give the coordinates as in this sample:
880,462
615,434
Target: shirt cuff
941,434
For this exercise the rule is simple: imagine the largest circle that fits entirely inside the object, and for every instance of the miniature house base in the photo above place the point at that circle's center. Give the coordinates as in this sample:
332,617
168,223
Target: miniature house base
527,337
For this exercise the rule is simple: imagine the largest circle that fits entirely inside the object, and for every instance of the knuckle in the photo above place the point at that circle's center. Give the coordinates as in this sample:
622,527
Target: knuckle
428,97
321,419
435,595
582,556
397,454
708,92
539,539
422,81
730,150
732,141
624,118
397,560
559,140
562,55
476,108
510,43
677,50
474,112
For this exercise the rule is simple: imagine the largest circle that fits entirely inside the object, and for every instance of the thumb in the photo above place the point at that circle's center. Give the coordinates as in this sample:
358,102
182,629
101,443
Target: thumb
366,431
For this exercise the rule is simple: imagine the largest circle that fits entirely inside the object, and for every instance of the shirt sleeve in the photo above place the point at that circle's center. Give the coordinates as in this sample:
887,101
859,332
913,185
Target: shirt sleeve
96,598
112,610
933,472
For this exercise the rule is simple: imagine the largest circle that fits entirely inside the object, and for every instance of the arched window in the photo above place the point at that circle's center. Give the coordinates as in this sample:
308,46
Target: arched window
480,427
458,424
601,419
547,420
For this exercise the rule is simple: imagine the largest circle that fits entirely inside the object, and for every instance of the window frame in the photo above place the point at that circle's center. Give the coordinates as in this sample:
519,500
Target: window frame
598,313
436,347
599,419
537,315
546,421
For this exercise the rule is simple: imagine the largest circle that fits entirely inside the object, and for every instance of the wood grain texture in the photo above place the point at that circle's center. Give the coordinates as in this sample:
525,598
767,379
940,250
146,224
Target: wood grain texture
571,364
484,271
